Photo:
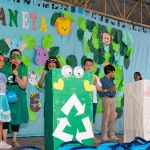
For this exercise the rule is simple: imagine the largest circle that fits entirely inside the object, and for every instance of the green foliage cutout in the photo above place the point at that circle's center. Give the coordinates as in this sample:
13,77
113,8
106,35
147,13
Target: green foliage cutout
25,59
118,52
47,41
71,60
30,41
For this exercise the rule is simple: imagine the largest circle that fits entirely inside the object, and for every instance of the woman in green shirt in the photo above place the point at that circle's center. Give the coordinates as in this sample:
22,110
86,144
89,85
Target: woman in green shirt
16,73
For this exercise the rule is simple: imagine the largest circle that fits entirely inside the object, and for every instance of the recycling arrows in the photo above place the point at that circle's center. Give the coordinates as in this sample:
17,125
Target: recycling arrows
88,133
73,101
58,133
63,122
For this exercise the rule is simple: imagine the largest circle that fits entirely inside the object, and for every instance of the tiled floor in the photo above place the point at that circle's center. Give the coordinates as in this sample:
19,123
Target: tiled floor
39,141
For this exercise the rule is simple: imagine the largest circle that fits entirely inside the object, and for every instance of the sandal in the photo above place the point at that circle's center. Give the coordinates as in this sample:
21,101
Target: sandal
15,144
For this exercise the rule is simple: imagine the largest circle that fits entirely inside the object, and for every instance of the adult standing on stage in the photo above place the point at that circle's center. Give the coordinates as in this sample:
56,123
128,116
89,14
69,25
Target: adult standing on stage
16,73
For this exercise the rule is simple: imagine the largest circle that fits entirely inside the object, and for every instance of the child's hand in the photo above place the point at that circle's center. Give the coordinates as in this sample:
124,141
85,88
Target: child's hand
113,89
15,72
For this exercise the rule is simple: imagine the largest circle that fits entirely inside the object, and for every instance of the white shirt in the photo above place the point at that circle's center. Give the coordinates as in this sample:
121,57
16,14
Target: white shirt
95,91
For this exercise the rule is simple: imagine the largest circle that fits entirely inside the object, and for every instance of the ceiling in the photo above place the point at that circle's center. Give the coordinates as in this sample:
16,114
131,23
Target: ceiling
132,11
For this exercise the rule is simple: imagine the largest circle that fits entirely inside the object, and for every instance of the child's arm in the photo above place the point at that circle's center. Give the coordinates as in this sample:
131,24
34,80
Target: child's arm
99,85
22,82
40,83
99,89
113,89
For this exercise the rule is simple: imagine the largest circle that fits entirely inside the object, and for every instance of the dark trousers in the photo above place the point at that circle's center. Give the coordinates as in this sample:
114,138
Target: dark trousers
94,111
15,128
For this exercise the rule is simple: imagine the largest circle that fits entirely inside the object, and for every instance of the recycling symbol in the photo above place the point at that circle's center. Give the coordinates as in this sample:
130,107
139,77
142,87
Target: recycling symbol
63,122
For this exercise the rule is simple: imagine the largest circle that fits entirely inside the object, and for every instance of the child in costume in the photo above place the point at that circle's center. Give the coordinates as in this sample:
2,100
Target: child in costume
52,62
4,106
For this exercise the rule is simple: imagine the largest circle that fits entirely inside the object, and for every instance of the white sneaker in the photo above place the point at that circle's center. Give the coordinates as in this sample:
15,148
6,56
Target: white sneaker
4,145
105,139
114,138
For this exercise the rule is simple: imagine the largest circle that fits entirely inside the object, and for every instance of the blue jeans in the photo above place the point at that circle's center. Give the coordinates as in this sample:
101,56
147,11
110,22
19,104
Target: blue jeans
94,111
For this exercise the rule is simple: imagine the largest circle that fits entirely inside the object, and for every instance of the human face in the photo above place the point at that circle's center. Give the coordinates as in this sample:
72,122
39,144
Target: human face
15,58
88,66
136,77
1,61
51,65
112,74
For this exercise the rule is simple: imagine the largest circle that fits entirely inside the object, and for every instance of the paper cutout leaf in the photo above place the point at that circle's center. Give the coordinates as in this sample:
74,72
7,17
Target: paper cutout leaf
97,71
61,60
71,60
54,51
123,49
109,30
83,59
30,41
129,51
90,25
126,62
85,47
117,34
80,34
47,41
69,15
98,57
95,32
101,29
54,18
32,115
4,49
39,70
82,23
120,87
96,43
91,46
95,66
99,106
25,59
116,46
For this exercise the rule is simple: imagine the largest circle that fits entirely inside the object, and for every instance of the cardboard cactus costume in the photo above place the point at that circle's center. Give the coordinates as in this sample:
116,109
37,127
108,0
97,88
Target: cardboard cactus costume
68,107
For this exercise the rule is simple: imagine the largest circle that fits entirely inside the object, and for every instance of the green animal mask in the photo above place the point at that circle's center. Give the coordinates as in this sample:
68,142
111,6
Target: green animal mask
16,56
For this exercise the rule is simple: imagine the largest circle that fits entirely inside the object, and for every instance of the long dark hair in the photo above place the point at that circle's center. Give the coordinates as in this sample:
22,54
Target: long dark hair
51,59
15,50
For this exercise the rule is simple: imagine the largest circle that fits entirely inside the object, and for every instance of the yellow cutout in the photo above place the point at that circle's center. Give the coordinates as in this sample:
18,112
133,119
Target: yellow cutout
87,86
43,24
59,85
63,26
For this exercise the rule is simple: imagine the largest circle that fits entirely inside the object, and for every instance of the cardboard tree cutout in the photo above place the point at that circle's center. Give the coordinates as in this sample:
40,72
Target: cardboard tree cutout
68,107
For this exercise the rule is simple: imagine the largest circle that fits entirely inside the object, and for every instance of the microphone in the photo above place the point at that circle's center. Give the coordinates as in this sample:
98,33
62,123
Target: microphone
13,67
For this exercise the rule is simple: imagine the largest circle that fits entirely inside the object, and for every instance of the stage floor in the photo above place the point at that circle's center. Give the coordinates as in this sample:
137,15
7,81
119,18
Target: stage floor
39,141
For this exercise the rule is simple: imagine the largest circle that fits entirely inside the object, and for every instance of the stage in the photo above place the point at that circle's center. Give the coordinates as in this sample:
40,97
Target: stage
39,141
